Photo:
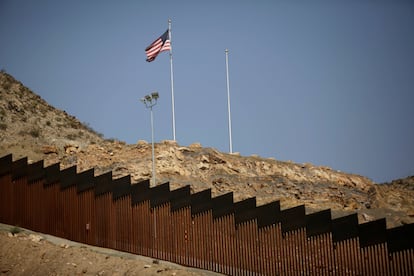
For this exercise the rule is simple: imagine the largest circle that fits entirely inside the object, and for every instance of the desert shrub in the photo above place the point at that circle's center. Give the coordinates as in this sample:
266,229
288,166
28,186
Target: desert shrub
72,136
15,230
35,133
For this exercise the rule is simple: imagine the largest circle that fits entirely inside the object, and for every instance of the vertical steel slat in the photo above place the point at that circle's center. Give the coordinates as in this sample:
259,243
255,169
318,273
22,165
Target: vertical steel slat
38,203
170,234
91,234
197,244
31,209
240,248
189,239
134,238
295,251
6,196
187,228
303,248
18,203
266,248
251,241
148,234
128,208
213,242
355,255
247,243
82,213
322,260
284,256
168,231
261,248
264,245
186,239
28,202
159,232
313,257
180,228
176,224
291,251
403,263
227,226
23,202
217,243
100,222
410,260
138,226
162,237
331,253
128,221
337,257
36,199
287,254
275,265
395,267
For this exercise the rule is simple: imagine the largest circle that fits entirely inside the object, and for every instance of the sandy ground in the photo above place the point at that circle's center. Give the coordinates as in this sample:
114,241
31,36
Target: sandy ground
30,253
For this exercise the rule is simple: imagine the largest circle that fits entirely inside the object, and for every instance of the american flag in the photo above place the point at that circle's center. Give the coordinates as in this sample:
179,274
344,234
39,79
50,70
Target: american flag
161,44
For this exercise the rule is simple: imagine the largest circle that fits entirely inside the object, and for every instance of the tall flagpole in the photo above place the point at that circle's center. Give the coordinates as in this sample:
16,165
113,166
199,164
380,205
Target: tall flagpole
228,99
172,79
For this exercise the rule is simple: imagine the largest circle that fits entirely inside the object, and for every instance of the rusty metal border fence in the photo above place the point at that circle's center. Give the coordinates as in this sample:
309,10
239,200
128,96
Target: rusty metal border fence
197,230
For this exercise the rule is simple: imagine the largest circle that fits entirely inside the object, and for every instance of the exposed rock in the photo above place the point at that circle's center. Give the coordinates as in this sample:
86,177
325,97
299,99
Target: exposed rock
48,149
35,238
142,143
71,148
169,142
195,146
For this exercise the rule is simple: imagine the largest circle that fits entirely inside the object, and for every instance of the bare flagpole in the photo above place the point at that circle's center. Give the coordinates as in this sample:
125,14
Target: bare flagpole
228,99
172,79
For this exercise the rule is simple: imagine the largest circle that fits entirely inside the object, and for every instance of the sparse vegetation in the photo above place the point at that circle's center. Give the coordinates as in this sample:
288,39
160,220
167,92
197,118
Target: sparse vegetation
35,133
72,136
15,230
6,85
90,129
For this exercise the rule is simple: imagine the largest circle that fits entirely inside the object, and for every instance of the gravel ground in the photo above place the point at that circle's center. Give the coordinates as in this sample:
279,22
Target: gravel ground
30,253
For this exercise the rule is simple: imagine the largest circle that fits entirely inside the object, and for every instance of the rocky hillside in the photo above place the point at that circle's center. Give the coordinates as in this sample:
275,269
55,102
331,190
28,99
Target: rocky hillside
31,127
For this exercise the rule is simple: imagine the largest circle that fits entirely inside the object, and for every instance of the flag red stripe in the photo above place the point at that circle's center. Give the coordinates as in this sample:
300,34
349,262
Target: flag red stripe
161,44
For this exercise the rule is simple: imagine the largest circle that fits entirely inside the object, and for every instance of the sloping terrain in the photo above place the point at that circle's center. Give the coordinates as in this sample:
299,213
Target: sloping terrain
31,127
28,253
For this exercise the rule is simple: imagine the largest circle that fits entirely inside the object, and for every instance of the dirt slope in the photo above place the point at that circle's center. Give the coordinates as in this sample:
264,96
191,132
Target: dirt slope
31,127
29,253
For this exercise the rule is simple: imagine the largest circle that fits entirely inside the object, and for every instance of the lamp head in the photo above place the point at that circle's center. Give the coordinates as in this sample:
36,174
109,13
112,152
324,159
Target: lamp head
155,95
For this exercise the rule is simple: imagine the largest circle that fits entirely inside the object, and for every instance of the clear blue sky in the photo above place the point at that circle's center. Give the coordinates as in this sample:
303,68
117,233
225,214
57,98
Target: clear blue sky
326,82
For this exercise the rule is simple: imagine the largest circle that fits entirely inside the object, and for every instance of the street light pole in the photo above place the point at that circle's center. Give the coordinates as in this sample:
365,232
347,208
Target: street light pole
150,101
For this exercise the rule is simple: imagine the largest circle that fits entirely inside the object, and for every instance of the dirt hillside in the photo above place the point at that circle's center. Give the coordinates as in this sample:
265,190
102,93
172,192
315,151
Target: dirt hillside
29,253
31,127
